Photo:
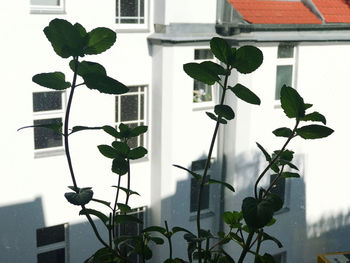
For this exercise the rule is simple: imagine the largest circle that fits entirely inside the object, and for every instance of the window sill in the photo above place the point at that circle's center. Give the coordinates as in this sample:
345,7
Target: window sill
200,106
204,214
142,160
44,10
49,153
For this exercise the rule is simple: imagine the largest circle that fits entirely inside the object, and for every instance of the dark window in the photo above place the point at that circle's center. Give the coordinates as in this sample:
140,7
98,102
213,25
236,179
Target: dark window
203,54
53,256
284,76
47,101
201,92
132,229
198,167
285,51
49,235
280,257
45,137
130,109
279,188
130,12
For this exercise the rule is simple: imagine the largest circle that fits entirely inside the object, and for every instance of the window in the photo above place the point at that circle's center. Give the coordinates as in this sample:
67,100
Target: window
131,14
280,187
202,92
47,6
130,109
198,167
51,244
48,110
132,229
285,68
280,257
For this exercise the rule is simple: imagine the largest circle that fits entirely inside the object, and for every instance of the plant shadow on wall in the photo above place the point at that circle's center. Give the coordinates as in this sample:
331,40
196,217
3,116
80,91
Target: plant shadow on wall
246,226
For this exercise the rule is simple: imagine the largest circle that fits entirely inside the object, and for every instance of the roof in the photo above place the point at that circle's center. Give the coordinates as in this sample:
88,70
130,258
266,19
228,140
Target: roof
334,11
276,12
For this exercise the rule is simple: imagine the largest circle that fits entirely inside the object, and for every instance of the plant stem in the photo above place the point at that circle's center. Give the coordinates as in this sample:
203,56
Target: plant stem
66,147
207,164
115,209
246,247
274,182
128,185
274,159
169,240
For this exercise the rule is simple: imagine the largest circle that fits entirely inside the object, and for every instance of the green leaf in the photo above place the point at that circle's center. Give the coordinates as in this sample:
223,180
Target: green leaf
290,175
181,229
108,151
126,219
228,186
87,67
137,153
56,127
314,132
157,240
121,147
257,214
96,213
245,94
112,131
272,222
216,69
275,200
104,84
52,80
220,49
82,198
100,39
123,208
307,106
108,204
195,175
84,128
283,132
315,116
200,73
292,166
292,103
103,255
268,237
67,40
125,131
120,166
138,130
158,229
266,258
224,111
267,156
248,59
127,191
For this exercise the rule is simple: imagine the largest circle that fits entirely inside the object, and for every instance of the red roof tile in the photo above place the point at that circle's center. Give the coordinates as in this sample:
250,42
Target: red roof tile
334,11
275,12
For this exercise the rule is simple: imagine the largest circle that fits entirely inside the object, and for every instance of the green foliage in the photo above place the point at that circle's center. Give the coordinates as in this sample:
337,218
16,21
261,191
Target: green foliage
256,212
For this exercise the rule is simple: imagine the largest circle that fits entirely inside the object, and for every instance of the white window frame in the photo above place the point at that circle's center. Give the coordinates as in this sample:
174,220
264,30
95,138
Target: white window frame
205,104
59,245
286,62
43,115
133,27
145,111
48,9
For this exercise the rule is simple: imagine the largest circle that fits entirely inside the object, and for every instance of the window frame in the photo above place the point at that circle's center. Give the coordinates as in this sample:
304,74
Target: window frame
133,27
205,212
58,245
286,62
48,9
204,104
50,114
139,120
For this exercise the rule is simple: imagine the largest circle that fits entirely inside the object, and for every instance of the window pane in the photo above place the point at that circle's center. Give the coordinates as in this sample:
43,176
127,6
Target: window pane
194,195
284,76
133,142
45,2
198,165
285,51
201,92
142,8
46,138
54,256
203,54
128,21
142,105
279,188
49,235
129,107
133,89
46,101
128,8
117,109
